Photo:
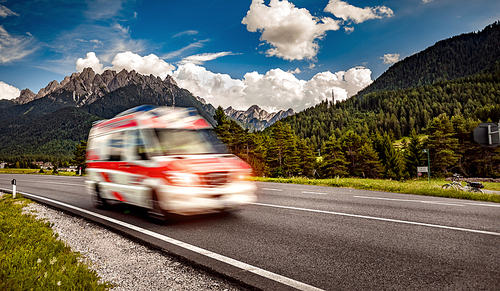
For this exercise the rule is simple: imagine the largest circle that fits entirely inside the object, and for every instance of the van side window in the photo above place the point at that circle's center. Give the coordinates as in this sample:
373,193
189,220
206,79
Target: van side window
138,146
116,146
97,148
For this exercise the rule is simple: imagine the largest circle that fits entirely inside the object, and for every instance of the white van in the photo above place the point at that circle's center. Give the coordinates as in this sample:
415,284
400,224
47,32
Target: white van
166,160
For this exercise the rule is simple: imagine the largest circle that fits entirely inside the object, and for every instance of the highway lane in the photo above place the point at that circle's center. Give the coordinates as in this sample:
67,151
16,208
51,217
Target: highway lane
333,238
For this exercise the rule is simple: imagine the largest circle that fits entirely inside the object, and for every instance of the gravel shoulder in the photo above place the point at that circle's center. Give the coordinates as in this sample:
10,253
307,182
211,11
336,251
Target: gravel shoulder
126,263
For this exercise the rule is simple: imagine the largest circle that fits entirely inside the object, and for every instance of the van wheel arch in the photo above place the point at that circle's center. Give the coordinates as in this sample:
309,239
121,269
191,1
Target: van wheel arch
155,213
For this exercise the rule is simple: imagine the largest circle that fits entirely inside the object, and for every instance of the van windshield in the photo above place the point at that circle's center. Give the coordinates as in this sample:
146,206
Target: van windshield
190,142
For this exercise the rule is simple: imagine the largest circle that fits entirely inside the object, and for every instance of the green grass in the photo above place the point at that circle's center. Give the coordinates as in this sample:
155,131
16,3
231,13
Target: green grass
35,172
32,257
418,187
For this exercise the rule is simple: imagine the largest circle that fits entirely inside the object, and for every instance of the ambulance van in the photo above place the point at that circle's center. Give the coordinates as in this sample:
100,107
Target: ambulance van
166,160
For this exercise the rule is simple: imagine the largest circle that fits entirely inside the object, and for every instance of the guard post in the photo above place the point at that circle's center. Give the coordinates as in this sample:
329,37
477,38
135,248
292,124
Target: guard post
13,188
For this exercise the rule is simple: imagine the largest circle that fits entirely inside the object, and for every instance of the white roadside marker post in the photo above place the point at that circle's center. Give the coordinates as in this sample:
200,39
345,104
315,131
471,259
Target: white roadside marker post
14,188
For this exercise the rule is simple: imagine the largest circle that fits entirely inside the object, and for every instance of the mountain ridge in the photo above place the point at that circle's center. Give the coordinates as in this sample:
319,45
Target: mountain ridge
89,86
456,57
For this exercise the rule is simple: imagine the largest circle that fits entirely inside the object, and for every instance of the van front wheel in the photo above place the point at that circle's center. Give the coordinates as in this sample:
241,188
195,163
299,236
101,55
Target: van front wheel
155,212
97,199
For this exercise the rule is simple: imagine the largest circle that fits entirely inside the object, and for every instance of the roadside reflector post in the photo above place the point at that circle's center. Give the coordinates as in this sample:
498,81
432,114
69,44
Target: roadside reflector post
428,163
13,188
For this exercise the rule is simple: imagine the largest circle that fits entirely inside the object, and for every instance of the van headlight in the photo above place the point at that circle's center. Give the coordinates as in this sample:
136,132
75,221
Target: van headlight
182,179
242,176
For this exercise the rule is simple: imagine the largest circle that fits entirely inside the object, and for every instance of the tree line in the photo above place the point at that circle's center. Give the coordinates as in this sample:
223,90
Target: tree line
401,111
279,152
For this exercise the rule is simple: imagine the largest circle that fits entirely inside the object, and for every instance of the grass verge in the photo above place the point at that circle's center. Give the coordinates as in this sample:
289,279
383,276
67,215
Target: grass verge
35,171
418,187
32,257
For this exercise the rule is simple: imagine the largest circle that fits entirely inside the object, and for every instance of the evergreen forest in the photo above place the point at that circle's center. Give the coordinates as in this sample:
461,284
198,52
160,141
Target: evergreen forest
364,136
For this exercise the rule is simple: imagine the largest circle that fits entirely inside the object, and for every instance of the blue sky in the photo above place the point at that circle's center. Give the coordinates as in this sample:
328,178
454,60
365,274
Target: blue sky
278,54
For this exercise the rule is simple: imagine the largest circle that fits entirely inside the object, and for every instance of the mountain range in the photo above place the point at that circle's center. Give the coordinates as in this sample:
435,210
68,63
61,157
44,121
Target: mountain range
257,118
254,118
459,75
91,97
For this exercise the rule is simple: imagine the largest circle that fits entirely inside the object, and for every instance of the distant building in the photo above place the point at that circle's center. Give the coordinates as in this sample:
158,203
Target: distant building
68,169
43,165
39,164
2,165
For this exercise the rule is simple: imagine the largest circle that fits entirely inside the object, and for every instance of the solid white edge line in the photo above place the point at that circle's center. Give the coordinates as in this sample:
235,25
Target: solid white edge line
249,268
483,204
271,189
409,200
319,193
381,219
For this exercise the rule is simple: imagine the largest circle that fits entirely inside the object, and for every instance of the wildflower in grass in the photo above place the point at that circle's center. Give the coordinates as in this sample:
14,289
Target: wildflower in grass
58,283
38,261
53,260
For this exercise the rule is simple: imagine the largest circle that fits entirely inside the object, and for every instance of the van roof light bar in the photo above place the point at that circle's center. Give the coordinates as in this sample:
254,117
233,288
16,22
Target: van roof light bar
141,108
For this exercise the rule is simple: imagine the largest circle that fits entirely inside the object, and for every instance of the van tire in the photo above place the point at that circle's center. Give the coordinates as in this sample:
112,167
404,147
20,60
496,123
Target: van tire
155,213
98,200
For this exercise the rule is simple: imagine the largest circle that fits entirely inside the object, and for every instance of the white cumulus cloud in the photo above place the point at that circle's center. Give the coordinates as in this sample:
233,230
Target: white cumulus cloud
342,84
8,91
349,12
274,90
216,88
292,32
146,65
90,61
390,58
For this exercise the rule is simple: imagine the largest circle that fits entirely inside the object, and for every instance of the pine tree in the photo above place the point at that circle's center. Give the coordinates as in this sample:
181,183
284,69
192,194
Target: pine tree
335,163
80,155
351,143
369,162
306,158
395,167
442,144
413,154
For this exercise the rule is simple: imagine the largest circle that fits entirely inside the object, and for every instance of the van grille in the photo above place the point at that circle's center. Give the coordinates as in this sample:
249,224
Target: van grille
216,179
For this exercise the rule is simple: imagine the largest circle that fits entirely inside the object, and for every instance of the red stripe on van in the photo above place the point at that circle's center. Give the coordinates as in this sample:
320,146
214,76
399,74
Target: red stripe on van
106,177
118,196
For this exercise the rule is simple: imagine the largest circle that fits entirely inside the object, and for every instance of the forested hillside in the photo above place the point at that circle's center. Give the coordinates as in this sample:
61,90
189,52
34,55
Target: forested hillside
401,111
280,152
48,138
460,56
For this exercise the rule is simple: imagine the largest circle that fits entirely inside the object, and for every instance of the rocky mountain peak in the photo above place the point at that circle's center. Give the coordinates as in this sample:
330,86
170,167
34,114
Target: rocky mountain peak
170,79
256,116
88,86
26,96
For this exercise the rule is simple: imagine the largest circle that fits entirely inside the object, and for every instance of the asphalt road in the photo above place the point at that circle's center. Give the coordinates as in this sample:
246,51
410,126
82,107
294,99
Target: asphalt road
329,238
